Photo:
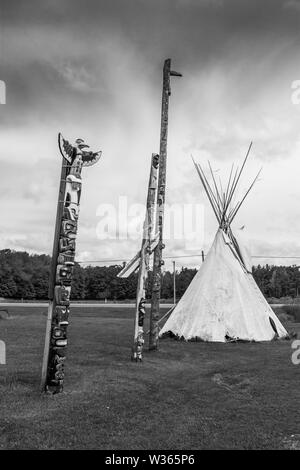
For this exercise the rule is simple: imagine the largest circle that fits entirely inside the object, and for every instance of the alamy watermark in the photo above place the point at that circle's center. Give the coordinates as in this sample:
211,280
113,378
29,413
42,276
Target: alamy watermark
296,354
2,353
2,92
124,221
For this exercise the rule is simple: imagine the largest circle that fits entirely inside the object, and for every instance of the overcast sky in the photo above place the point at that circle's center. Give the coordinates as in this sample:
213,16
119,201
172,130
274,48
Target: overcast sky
92,69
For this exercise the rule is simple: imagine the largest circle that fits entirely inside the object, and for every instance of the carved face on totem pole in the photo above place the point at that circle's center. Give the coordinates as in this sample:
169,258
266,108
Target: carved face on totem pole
155,161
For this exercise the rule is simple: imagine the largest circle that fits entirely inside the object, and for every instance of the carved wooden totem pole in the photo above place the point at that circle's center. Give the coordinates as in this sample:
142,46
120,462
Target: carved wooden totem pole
158,262
74,158
141,260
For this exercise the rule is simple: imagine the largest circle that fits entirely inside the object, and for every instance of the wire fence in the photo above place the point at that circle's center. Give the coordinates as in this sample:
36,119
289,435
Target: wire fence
173,257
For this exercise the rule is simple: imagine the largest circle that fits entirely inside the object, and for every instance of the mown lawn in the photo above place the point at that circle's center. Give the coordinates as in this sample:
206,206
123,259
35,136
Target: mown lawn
185,396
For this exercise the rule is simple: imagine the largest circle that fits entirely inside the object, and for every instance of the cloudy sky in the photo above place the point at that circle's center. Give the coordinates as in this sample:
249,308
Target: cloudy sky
93,69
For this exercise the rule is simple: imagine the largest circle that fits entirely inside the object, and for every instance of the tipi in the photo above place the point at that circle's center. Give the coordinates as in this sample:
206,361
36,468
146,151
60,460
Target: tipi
223,302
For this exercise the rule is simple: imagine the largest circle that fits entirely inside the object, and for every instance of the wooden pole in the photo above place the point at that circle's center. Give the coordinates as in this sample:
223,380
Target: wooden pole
157,261
164,316
137,349
174,283
65,168
74,158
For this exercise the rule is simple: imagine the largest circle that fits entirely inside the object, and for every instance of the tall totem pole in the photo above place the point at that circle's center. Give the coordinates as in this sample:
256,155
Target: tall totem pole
141,261
63,255
158,262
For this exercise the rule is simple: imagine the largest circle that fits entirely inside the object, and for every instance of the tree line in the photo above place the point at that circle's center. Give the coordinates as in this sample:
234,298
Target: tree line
25,276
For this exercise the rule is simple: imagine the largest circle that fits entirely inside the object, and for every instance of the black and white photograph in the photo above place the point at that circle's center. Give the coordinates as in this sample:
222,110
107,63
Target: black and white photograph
150,228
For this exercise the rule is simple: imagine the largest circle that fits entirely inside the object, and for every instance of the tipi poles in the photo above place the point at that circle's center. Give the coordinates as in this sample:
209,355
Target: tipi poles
208,191
137,350
236,179
232,216
63,262
220,200
157,262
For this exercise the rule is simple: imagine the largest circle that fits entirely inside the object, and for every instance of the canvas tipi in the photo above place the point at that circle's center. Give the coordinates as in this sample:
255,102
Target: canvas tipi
223,302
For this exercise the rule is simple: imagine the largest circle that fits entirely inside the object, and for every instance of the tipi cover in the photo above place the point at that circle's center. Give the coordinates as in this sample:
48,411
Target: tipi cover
223,301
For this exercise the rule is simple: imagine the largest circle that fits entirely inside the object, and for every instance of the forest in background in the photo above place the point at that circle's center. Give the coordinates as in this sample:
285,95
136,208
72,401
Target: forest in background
24,276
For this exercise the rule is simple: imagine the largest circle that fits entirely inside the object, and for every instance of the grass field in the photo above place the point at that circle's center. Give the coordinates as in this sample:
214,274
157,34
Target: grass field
184,396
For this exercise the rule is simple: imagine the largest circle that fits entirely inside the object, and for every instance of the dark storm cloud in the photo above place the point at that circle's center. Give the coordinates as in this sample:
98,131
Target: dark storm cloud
184,24
189,30
56,51
94,68
53,50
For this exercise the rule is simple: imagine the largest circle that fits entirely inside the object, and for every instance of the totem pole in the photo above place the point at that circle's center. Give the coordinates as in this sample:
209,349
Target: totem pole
158,262
73,159
141,261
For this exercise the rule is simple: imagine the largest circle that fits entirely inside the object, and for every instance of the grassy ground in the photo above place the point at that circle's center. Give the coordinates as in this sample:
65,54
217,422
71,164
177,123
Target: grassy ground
185,396
288,312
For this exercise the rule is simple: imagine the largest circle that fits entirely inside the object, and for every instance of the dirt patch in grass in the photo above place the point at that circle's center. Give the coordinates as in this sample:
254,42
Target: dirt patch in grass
236,384
4,315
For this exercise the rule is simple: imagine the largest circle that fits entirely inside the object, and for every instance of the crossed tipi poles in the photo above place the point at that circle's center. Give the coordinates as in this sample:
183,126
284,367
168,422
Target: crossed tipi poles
221,199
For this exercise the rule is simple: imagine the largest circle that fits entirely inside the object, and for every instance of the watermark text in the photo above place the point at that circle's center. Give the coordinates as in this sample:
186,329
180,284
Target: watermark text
2,353
296,354
124,221
2,92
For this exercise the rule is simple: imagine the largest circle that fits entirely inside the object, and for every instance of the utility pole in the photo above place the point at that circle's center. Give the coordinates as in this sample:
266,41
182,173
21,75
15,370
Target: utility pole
157,260
174,283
